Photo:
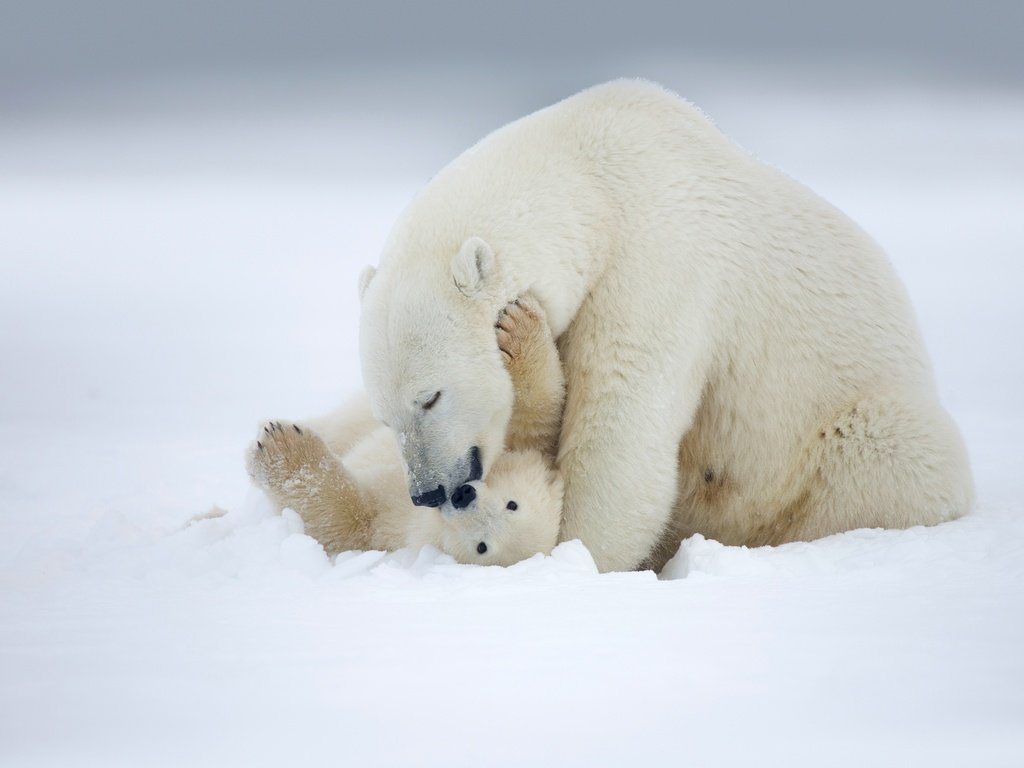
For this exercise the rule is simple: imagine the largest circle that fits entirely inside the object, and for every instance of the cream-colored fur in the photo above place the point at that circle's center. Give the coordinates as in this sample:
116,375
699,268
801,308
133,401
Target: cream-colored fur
343,474
740,358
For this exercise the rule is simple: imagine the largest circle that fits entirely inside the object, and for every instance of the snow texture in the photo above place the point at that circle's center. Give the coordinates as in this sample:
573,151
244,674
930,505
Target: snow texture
169,278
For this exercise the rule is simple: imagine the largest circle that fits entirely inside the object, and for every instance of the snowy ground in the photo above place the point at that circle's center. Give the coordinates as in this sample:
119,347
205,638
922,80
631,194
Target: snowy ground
172,273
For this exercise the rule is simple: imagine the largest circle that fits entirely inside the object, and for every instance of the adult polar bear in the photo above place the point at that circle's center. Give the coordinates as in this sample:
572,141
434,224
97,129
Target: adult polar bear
741,360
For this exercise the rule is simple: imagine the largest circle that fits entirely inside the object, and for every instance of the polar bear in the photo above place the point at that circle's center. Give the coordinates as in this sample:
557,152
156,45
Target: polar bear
352,494
741,359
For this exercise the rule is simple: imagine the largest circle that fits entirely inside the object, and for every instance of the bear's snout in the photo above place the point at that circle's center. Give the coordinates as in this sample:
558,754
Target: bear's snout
463,496
469,469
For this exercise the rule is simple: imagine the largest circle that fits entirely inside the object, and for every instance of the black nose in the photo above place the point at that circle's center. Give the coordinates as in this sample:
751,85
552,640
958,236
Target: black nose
463,496
434,498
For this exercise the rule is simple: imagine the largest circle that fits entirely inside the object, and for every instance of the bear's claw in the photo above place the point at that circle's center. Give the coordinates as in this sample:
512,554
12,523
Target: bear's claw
281,454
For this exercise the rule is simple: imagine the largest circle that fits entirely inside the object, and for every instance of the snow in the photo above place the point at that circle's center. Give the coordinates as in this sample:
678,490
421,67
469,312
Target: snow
171,276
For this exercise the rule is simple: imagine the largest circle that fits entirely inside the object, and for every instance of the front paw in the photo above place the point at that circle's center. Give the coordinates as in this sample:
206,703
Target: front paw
522,330
287,459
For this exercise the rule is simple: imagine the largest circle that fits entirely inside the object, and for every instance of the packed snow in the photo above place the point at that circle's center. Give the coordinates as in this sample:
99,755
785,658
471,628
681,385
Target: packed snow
172,273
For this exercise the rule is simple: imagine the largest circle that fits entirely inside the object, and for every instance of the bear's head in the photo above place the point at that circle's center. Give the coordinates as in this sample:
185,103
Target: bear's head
514,515
432,368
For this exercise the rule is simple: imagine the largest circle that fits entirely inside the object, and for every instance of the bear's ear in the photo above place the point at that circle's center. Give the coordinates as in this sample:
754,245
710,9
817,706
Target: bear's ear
472,265
364,280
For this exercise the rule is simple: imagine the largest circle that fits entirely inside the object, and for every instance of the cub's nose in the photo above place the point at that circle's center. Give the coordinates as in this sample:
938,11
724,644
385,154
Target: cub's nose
463,496
434,498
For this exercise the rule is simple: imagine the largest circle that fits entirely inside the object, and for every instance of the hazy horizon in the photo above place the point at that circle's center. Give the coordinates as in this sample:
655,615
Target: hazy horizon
53,52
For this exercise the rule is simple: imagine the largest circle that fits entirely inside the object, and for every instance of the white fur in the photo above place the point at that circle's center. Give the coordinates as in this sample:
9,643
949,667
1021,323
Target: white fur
741,359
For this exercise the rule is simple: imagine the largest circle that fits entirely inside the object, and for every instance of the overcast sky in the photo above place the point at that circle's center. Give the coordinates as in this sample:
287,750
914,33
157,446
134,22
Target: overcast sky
50,45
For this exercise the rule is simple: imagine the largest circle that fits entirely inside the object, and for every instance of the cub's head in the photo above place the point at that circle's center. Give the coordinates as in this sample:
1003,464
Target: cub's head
432,368
513,516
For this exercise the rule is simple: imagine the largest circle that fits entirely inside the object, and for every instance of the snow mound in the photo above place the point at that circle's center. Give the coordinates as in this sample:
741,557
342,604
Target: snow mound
253,541
956,545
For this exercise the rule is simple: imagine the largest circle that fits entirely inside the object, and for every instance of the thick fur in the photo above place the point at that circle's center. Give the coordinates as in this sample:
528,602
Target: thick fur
344,474
740,358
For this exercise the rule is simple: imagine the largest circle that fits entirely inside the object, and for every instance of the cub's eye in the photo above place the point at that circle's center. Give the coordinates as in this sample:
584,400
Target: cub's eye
511,506
430,403
481,548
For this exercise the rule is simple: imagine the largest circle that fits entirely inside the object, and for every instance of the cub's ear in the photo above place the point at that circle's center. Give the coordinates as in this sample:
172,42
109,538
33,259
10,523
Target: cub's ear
472,265
364,280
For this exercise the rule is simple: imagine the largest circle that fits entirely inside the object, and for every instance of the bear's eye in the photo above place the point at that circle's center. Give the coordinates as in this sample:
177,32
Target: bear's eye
511,506
431,402
481,548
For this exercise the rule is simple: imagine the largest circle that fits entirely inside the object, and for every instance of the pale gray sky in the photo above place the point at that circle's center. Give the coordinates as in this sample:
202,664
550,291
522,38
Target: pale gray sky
51,45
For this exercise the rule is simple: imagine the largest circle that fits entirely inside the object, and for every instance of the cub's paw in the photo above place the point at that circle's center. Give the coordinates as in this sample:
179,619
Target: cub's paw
522,331
288,460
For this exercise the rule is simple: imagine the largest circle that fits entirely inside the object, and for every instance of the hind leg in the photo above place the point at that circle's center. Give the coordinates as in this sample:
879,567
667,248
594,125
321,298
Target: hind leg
888,462
346,425
295,467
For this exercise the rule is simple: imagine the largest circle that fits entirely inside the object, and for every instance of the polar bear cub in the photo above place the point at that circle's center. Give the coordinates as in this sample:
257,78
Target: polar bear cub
351,489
